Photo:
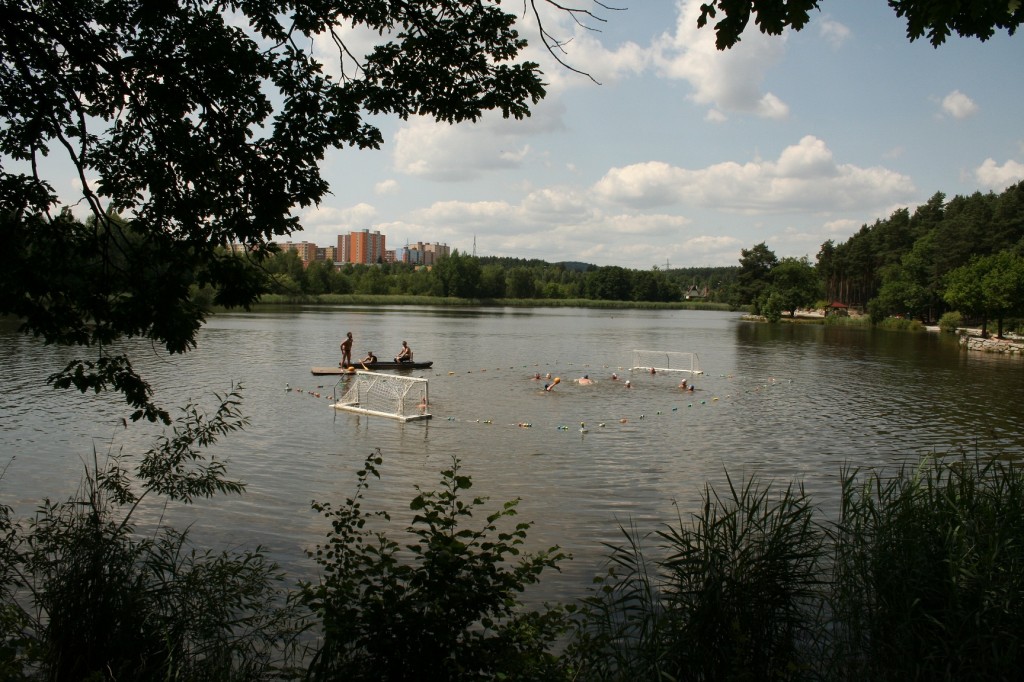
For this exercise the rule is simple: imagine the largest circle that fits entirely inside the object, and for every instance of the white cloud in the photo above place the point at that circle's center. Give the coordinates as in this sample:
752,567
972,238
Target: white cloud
833,32
958,105
322,224
441,152
715,116
727,80
583,51
358,216
843,226
384,187
806,177
358,41
996,177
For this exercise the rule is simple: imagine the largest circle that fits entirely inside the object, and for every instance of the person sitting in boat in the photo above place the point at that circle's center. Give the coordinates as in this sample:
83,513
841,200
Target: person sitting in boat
370,359
404,355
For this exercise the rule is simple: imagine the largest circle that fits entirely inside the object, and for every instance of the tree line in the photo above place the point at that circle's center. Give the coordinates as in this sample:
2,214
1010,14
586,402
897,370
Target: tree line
461,275
965,255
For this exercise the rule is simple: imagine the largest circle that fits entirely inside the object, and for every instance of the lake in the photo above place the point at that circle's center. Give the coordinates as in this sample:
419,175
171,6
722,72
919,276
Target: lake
784,402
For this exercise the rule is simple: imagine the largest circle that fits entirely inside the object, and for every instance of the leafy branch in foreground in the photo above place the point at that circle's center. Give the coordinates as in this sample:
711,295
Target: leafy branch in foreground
86,597
444,607
204,125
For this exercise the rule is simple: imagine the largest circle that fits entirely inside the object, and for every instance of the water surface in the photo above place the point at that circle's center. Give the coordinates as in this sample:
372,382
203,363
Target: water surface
785,402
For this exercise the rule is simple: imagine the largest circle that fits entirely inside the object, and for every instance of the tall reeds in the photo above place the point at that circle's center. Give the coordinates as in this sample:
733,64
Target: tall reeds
929,572
920,577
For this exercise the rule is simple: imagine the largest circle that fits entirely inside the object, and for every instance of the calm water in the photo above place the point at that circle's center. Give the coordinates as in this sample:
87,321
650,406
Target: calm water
786,402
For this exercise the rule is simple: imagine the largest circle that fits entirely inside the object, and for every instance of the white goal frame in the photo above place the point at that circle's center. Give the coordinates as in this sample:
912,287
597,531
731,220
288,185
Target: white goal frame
665,361
386,395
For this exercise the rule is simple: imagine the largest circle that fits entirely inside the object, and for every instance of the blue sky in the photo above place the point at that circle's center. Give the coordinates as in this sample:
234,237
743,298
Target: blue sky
685,155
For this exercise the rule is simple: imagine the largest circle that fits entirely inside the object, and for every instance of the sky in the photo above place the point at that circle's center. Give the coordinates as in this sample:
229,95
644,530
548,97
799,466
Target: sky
682,155
674,154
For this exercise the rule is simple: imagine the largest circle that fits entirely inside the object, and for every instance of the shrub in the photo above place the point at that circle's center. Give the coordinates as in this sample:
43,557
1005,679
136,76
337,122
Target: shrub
86,598
448,609
772,307
901,324
951,321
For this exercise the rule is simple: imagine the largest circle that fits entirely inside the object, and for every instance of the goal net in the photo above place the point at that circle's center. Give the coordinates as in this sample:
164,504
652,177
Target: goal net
386,395
665,361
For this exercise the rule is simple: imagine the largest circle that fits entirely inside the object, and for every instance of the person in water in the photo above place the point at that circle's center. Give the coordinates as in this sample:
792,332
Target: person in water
585,380
404,355
346,351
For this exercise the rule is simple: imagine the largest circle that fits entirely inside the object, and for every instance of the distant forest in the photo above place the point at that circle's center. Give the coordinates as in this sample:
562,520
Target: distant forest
917,265
496,278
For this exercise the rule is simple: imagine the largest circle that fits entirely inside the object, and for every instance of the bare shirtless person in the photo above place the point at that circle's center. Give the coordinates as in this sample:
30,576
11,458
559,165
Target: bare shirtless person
404,355
346,351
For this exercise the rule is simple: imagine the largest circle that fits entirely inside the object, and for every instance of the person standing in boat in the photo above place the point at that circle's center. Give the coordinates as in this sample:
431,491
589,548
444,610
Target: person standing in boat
346,351
404,355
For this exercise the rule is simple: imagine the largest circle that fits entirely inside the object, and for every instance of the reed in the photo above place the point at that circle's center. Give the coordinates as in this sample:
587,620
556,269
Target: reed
921,576
929,572
736,594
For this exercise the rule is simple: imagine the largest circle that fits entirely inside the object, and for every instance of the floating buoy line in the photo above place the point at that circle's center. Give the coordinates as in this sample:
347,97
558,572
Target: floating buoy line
332,392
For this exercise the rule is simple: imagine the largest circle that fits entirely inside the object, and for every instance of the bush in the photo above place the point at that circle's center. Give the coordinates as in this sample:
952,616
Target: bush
772,307
447,610
86,598
901,324
950,322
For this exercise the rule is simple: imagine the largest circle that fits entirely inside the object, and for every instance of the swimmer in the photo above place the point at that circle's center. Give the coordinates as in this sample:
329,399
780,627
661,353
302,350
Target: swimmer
585,380
682,384
548,375
536,377
555,382
628,385
652,371
615,377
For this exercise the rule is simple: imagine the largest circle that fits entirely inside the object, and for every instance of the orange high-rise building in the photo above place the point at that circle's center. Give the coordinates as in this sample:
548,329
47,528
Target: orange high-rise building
361,247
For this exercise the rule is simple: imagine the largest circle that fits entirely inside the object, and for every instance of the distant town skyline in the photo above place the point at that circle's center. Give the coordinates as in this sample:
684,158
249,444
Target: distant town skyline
366,247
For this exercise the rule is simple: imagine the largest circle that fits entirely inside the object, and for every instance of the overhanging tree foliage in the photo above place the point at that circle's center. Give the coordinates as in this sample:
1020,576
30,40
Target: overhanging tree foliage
204,123
936,19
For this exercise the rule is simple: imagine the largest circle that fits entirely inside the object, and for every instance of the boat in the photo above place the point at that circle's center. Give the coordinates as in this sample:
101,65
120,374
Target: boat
380,364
